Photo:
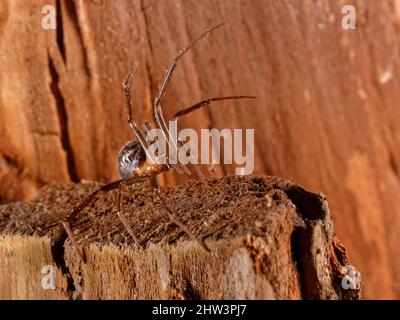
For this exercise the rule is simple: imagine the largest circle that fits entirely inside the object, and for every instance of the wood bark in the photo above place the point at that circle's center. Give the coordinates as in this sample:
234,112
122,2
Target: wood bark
326,116
268,239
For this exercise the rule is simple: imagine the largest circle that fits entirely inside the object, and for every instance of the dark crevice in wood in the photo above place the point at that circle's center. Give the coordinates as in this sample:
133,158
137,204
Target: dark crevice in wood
10,161
190,291
63,121
310,208
60,30
310,205
71,11
57,252
393,166
298,247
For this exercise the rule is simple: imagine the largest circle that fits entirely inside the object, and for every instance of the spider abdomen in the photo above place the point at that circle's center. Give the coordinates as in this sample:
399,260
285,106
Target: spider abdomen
130,159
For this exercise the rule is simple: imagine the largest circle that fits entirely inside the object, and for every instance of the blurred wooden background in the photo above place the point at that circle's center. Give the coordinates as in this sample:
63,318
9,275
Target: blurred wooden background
327,114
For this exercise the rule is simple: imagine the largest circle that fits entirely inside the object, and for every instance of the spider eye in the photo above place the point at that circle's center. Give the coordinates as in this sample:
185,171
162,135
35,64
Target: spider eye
130,159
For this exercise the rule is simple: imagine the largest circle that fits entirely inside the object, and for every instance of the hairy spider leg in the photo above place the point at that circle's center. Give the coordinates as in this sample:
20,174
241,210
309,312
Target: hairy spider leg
87,199
157,109
176,220
200,105
125,223
206,102
126,90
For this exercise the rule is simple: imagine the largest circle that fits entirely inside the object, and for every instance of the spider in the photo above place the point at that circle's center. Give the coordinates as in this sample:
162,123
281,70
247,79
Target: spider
134,163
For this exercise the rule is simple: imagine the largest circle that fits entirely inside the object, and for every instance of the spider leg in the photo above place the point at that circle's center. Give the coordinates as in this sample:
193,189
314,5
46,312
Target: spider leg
167,135
158,114
126,90
162,152
68,229
176,220
199,105
124,221
206,102
174,63
198,171
66,222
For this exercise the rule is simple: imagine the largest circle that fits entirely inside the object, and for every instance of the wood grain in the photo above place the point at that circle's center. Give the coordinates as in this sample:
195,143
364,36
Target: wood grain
326,116
267,239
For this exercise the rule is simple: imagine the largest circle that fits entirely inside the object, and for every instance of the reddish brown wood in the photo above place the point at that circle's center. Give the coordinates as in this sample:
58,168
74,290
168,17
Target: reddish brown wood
326,117
267,239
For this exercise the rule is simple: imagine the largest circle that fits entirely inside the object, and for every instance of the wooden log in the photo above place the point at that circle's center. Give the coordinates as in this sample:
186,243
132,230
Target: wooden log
268,239
326,117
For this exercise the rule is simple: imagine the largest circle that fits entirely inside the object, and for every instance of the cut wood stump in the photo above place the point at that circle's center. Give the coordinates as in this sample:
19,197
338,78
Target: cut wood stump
327,113
269,239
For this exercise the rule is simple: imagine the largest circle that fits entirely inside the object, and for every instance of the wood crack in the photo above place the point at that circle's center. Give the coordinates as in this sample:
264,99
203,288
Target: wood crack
393,166
60,30
58,254
63,120
72,12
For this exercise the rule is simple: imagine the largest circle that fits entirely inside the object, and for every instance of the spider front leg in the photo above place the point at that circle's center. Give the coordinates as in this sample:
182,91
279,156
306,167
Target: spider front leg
176,220
66,222
172,67
167,135
121,216
207,102
157,110
126,90
68,229
200,105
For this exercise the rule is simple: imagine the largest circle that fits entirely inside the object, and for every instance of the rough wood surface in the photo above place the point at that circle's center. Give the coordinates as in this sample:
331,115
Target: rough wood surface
327,114
269,239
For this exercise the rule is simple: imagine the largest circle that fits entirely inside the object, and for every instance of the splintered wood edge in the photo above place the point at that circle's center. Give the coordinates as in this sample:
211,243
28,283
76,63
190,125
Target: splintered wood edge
181,271
290,261
184,271
24,264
